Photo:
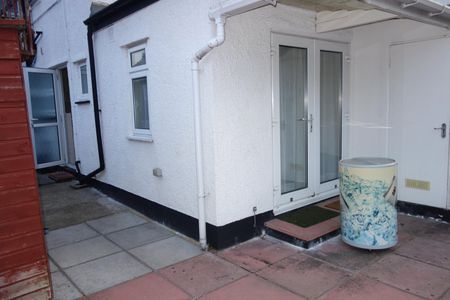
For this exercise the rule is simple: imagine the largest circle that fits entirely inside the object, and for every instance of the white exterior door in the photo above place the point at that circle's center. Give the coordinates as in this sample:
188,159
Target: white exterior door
418,112
309,78
45,116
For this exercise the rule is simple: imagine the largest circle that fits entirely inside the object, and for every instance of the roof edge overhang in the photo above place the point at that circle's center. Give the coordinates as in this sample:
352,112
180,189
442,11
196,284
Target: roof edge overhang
115,12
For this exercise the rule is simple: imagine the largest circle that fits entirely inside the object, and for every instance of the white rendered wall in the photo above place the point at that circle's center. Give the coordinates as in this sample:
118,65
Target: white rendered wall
242,107
370,81
64,43
175,31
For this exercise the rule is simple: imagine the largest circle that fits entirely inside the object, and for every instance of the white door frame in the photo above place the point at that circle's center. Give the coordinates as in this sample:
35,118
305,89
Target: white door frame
59,115
315,191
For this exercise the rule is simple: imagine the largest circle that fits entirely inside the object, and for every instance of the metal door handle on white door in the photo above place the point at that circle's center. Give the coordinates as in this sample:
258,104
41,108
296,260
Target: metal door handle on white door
443,130
308,120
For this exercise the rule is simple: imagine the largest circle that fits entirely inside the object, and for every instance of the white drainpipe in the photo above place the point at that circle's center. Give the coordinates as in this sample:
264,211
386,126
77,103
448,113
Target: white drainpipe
219,15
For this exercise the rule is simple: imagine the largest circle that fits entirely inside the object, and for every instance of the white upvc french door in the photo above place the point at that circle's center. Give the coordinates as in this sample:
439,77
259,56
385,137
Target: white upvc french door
309,86
45,115
331,77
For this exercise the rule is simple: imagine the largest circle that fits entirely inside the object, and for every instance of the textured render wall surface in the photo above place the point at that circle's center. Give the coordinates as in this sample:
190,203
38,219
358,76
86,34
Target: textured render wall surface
242,107
175,31
369,101
64,43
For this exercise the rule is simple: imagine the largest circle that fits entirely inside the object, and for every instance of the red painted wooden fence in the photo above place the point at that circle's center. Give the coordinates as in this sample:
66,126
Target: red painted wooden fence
23,258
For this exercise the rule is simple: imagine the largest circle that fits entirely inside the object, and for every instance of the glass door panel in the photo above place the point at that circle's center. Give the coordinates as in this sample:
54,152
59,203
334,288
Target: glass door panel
330,114
293,119
43,112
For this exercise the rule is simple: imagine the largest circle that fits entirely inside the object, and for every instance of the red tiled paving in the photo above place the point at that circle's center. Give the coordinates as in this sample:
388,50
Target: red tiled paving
148,287
410,275
257,254
338,253
305,234
203,274
304,275
367,289
251,287
419,249
318,273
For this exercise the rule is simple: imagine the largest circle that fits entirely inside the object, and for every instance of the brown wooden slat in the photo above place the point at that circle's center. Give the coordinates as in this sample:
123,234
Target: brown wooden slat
23,272
17,163
18,227
24,287
10,67
15,147
19,211
13,131
13,115
8,34
43,294
21,242
20,258
9,50
12,95
11,81
18,196
17,180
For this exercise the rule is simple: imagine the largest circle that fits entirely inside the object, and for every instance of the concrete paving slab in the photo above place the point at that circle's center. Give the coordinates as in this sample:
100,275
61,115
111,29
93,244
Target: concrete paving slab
419,249
410,275
338,253
251,287
106,272
304,275
68,235
140,235
257,254
64,206
63,289
116,222
203,274
80,252
147,287
166,252
367,289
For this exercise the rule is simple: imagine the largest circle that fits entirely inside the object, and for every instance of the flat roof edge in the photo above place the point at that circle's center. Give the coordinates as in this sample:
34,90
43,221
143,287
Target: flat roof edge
115,12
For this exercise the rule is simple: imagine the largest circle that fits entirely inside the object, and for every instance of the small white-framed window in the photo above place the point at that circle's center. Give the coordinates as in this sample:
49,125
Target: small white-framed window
84,79
137,62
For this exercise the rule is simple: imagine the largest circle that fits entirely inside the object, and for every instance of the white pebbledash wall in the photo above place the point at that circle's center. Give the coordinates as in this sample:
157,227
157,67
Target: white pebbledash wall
236,91
64,43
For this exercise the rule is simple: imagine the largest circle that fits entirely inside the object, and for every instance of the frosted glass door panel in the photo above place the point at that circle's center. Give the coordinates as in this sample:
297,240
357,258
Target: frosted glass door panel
42,98
330,114
47,144
293,119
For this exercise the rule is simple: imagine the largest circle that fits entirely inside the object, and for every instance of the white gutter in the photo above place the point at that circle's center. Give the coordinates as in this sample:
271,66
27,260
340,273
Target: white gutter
219,15
425,11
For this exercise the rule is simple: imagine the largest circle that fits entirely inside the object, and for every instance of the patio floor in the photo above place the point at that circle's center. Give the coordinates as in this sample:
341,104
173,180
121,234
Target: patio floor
126,256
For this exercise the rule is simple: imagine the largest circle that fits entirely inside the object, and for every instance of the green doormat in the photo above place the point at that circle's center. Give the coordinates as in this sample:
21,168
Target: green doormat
308,216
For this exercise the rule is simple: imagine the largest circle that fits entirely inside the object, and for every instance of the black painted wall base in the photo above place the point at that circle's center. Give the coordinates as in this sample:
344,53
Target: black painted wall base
423,210
218,237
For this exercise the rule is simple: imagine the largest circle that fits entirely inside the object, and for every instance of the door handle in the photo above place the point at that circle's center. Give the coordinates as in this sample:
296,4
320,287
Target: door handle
443,130
308,120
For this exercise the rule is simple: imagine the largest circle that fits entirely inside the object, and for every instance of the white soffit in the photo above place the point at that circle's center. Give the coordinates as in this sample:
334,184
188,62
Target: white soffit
342,19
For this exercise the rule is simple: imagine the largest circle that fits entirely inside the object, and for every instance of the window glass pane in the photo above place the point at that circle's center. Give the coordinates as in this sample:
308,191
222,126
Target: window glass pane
140,100
47,144
138,58
294,124
84,80
330,114
42,97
